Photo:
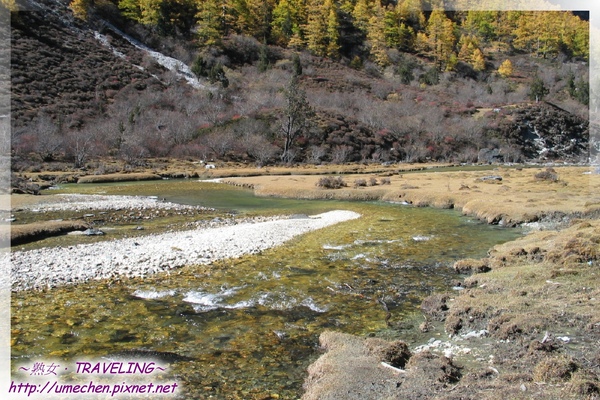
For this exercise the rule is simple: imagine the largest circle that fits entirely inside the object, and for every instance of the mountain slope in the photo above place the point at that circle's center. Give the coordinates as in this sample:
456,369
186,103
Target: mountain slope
77,82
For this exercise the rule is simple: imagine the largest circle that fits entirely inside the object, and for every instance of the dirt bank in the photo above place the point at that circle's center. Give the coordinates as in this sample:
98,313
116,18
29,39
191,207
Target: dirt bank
528,328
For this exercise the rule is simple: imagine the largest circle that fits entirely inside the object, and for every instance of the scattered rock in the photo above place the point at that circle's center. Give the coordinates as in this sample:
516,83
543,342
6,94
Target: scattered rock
93,232
497,178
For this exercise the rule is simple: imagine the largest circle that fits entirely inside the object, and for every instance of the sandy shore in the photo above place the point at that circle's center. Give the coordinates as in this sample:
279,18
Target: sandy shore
140,256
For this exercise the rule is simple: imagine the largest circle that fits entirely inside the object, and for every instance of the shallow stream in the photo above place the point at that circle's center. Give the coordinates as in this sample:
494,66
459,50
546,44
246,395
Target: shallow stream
248,328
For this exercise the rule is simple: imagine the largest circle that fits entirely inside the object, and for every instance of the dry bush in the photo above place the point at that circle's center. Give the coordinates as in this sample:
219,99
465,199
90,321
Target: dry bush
576,250
360,183
511,326
584,383
453,324
433,368
331,182
549,175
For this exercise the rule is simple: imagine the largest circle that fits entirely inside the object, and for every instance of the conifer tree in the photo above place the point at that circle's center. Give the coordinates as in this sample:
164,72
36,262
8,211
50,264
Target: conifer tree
295,119
411,11
260,14
506,68
297,40
80,8
422,43
316,30
322,29
362,14
538,89
238,15
440,34
537,32
333,25
150,11
376,36
10,5
481,24
392,28
296,64
287,18
282,23
407,37
478,61
131,9
468,44
209,22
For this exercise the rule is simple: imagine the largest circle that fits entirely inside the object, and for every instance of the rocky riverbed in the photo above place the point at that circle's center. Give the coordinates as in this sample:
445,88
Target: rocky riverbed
140,256
82,202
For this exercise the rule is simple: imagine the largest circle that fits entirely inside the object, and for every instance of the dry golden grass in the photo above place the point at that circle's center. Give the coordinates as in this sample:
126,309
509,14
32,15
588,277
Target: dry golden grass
140,176
519,197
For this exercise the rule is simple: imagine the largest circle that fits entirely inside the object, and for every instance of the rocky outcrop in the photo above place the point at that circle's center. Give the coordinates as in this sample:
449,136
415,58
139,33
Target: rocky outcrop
546,132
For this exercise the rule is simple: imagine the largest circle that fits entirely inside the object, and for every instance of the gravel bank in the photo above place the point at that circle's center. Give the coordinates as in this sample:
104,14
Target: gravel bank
82,202
140,256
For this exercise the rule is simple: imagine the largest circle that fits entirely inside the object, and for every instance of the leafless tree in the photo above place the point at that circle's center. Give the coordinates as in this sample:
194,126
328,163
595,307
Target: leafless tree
219,142
316,154
259,148
340,154
48,138
81,144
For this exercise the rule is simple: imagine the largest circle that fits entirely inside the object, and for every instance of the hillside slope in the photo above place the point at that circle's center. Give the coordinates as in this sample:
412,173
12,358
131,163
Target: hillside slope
82,90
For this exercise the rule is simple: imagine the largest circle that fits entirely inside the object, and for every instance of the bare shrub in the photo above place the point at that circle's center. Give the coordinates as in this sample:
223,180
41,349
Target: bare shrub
386,181
340,154
331,182
259,148
549,175
48,140
79,145
220,143
360,183
316,154
372,181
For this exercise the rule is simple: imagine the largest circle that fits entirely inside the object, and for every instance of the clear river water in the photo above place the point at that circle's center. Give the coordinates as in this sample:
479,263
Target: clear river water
248,328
